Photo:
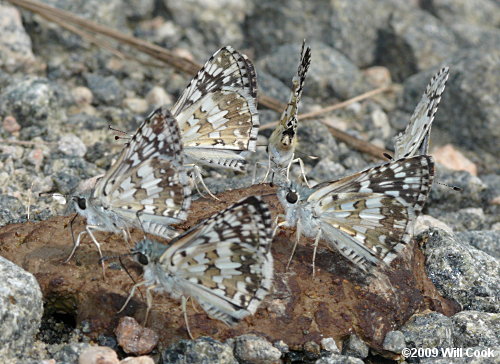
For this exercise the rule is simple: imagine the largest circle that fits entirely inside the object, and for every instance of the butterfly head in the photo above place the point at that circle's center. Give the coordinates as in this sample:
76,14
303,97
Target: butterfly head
148,251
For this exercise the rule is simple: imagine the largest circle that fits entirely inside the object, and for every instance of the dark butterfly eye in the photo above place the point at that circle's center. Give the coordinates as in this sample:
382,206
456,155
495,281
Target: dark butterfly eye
142,259
82,203
292,197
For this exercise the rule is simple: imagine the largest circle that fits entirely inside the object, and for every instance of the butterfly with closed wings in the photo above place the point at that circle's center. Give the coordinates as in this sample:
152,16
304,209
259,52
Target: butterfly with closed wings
146,187
217,113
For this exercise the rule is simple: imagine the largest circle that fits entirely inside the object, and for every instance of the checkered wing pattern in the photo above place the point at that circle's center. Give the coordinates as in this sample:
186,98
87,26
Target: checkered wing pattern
217,113
225,262
148,180
415,139
369,215
283,140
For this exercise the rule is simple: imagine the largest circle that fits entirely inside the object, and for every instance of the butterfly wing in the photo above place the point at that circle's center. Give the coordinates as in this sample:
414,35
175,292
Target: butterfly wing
415,139
225,262
283,140
369,216
217,113
148,179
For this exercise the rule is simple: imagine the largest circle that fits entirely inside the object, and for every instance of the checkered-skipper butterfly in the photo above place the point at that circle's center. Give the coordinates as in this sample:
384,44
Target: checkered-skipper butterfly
284,140
367,216
146,187
224,263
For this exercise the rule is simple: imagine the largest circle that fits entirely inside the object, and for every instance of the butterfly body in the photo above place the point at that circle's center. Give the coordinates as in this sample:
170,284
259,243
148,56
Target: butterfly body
225,262
367,216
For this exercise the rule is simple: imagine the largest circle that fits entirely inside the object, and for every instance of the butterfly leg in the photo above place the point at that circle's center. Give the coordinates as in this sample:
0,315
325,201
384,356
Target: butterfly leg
268,169
89,230
289,165
149,302
198,175
277,224
302,170
75,245
184,311
131,294
316,242
297,238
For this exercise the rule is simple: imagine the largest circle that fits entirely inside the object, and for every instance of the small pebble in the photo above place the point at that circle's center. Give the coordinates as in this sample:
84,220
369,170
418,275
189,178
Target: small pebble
135,339
10,124
378,76
71,145
330,345
82,95
136,105
98,355
157,97
138,360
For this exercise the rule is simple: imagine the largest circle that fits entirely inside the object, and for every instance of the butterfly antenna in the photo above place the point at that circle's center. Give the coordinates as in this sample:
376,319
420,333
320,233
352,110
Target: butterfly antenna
124,135
454,188
388,156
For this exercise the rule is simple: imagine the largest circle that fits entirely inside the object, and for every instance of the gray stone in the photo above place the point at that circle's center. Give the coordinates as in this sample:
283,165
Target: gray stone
11,210
431,330
32,101
15,45
461,272
488,241
107,90
67,353
326,170
339,359
329,344
394,341
471,35
471,218
473,328
414,41
203,350
21,310
480,12
71,145
210,24
472,103
331,74
354,346
255,349
316,140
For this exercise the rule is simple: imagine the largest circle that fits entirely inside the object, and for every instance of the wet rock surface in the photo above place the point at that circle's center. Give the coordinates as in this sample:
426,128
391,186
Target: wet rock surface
59,93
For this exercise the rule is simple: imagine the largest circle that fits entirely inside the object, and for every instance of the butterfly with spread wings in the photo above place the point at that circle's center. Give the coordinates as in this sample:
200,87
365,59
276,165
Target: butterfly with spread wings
415,139
224,263
284,139
146,187
367,216
217,113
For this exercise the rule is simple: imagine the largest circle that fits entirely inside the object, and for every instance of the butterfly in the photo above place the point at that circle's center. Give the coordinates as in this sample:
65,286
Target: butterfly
415,139
367,216
224,263
217,113
284,140
146,187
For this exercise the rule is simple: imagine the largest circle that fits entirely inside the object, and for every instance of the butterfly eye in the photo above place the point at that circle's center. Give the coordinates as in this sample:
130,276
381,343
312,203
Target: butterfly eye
142,259
292,197
82,203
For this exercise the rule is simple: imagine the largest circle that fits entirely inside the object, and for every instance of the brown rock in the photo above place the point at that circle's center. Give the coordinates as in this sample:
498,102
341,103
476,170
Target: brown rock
10,124
135,339
451,158
378,76
98,355
339,301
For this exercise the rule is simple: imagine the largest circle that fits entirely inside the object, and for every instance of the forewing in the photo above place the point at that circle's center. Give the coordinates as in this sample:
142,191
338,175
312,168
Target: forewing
148,179
415,139
225,262
218,109
369,215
